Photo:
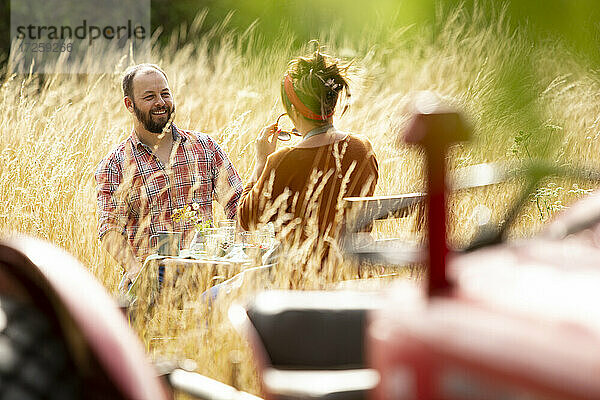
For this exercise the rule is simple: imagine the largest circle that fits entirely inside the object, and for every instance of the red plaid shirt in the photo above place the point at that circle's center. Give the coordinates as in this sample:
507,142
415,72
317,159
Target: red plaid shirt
137,194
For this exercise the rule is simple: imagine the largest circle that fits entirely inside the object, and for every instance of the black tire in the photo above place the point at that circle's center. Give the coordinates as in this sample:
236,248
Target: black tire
34,361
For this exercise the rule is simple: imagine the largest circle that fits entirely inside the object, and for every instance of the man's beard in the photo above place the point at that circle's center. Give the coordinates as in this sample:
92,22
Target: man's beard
146,119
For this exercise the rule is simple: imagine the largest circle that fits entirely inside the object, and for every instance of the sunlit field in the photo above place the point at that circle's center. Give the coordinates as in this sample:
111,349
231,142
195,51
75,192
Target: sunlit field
56,129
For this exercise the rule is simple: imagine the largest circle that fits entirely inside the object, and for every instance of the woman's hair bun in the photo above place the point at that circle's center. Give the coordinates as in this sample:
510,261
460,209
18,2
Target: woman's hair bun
319,79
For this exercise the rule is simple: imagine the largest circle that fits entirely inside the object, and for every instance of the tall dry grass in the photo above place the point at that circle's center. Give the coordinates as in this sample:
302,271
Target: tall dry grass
56,130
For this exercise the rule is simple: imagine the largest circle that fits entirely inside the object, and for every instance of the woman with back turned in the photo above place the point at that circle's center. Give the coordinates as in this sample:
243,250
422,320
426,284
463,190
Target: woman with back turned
301,187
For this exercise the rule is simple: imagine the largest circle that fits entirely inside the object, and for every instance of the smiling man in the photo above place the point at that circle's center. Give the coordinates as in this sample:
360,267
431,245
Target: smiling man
156,170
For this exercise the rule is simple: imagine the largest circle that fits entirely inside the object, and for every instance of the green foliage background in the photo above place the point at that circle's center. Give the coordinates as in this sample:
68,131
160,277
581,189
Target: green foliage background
574,21
382,27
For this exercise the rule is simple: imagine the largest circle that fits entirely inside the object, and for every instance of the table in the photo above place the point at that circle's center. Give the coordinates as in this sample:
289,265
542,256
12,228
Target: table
211,272
190,278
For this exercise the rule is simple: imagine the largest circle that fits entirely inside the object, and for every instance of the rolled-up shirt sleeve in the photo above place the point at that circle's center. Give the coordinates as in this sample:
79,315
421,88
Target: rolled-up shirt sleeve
112,212
227,183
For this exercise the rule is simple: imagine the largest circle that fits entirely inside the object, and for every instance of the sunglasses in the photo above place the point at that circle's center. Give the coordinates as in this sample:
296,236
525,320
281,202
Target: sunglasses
285,135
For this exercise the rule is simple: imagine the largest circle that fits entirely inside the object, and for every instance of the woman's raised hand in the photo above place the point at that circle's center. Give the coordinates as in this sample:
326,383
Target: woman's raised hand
266,142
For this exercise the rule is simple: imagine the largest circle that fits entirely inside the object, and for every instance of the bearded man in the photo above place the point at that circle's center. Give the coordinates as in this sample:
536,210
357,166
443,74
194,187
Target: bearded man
156,170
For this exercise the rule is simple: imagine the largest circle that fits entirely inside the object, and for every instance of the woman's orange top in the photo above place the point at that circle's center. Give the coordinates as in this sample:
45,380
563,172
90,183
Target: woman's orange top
303,187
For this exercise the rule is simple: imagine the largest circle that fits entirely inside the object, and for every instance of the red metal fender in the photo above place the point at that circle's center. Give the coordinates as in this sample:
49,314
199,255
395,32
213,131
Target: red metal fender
581,220
104,347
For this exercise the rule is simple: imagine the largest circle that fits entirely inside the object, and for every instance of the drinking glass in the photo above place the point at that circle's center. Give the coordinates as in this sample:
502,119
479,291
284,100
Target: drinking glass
198,242
251,245
214,239
267,236
228,228
167,243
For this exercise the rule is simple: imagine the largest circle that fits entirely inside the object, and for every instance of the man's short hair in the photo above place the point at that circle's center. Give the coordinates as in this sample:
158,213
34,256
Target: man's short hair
132,71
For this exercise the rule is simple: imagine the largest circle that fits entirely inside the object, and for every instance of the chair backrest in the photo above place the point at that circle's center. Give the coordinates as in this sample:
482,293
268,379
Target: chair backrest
312,330
362,211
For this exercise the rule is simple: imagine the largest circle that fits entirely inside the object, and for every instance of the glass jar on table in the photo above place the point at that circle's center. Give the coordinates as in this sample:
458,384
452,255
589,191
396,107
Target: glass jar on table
257,243
228,227
214,238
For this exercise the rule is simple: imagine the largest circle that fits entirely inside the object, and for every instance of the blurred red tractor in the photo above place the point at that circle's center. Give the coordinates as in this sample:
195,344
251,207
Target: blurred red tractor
518,320
63,338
